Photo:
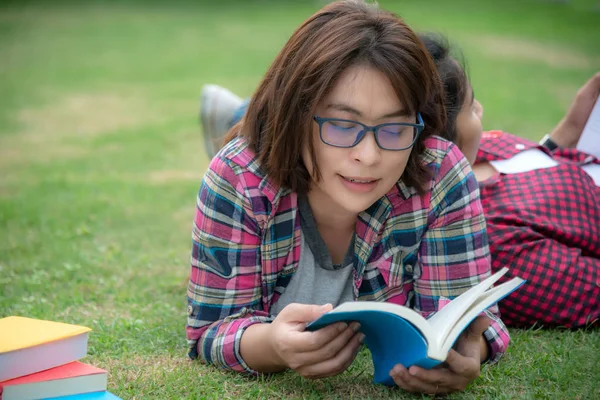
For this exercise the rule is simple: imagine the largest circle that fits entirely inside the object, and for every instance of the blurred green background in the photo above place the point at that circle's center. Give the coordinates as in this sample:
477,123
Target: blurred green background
101,157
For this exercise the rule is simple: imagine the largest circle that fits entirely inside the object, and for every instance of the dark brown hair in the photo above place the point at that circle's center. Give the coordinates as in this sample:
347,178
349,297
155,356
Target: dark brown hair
452,71
279,121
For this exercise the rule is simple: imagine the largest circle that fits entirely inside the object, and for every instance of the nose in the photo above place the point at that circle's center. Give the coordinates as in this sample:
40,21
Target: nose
367,151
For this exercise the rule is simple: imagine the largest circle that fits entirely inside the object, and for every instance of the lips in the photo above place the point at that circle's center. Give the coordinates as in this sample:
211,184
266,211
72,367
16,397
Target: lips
359,184
359,179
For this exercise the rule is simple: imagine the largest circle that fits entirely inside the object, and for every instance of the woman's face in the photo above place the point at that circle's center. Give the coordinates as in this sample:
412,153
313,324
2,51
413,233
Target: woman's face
354,178
468,127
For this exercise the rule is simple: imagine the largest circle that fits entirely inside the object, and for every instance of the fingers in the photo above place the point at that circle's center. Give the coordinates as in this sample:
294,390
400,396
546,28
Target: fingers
331,348
471,342
418,380
326,347
464,365
296,316
306,342
296,312
337,364
478,326
433,381
459,369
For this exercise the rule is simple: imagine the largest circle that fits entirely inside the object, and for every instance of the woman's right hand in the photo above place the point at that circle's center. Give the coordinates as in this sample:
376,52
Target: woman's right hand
319,354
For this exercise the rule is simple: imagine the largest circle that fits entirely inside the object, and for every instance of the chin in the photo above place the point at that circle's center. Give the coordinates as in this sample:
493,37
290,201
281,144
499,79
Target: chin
354,205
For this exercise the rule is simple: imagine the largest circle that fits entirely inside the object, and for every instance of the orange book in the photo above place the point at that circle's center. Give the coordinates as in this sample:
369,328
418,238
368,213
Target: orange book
31,345
68,379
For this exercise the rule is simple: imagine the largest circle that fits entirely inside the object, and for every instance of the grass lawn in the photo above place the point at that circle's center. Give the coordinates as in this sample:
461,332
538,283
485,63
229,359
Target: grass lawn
101,157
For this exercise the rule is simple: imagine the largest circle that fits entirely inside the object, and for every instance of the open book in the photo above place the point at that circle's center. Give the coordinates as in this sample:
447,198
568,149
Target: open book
396,334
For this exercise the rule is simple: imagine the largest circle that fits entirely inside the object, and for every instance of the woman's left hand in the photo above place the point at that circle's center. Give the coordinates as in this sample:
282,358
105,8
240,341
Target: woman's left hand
460,368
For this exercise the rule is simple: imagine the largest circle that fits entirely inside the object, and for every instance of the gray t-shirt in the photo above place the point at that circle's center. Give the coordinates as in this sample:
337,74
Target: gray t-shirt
317,280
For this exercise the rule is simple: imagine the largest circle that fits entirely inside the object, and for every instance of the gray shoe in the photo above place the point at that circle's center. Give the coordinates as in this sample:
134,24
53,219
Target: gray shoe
216,111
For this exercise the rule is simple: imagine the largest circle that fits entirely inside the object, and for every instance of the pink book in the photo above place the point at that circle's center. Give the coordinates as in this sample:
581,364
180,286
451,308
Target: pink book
68,379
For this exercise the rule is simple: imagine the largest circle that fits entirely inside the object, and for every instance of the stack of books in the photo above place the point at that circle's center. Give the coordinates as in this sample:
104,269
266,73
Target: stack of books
39,360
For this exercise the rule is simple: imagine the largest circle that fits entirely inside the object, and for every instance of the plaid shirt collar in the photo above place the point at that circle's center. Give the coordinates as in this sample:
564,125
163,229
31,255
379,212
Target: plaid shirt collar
371,221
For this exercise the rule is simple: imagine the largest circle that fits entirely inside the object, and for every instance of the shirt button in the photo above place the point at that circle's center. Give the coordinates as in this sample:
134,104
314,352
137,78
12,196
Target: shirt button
519,146
408,268
190,310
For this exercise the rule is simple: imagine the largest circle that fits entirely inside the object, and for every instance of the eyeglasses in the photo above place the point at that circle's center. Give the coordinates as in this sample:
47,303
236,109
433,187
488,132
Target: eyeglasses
347,133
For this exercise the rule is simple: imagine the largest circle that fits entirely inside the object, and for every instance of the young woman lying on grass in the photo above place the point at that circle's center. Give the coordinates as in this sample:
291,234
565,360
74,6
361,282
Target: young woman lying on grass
543,223
336,187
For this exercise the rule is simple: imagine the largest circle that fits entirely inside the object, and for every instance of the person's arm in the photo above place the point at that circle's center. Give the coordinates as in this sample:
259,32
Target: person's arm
568,131
454,256
224,291
227,326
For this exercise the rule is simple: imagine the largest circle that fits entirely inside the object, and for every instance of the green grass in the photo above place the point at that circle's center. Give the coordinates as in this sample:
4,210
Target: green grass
101,157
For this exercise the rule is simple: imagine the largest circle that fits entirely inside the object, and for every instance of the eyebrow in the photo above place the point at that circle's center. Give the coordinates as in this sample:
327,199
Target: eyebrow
345,107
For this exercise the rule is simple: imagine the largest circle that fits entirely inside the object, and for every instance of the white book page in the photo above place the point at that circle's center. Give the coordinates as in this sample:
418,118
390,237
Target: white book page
445,319
528,160
589,142
489,298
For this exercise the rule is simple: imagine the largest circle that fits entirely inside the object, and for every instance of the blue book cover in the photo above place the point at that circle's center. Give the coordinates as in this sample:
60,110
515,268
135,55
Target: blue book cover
105,395
396,334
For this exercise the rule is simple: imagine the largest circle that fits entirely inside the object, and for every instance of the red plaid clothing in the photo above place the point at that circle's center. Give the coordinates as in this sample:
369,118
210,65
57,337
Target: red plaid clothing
545,226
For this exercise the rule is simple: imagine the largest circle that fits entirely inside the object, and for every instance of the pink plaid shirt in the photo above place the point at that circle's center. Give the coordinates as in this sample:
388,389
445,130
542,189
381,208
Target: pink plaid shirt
410,249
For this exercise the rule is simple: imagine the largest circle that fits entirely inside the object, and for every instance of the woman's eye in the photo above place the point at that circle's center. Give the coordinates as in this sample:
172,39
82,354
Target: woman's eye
396,130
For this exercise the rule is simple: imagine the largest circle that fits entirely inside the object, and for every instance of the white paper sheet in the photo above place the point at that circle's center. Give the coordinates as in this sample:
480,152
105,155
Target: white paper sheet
528,160
532,159
589,141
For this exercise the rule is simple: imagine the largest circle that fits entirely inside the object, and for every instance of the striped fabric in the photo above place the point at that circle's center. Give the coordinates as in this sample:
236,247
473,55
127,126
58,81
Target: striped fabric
410,249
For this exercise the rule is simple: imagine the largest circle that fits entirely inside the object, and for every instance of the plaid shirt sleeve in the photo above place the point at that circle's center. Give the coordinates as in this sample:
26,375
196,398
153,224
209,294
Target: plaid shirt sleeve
454,254
224,291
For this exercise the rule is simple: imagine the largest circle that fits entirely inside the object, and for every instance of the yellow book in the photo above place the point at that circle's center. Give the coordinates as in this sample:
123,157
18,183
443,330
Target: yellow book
31,345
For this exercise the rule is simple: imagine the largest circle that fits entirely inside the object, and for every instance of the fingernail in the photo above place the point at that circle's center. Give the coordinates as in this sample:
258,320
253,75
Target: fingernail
342,327
355,326
412,371
361,337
